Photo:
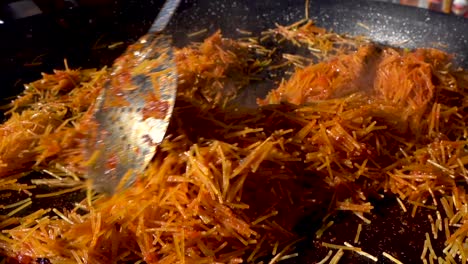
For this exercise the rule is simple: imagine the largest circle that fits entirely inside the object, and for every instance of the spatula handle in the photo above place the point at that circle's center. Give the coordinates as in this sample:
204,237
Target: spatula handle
164,16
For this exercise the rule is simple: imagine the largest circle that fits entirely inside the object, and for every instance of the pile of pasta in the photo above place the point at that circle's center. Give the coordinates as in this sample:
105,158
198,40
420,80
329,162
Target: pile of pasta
347,120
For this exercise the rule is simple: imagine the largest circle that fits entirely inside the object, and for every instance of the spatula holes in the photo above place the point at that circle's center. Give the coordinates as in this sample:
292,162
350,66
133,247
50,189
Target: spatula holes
145,151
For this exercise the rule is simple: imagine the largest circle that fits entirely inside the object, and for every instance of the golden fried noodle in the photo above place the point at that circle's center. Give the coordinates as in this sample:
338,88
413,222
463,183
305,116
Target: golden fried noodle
227,184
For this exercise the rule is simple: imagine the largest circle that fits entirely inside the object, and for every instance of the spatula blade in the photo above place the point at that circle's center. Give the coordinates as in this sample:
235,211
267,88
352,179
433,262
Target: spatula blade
132,113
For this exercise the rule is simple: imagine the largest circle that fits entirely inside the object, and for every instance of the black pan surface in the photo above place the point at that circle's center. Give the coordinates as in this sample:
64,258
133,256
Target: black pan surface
82,35
389,24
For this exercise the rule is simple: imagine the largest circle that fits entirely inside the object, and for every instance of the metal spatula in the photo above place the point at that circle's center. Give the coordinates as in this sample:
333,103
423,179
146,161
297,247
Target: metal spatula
132,113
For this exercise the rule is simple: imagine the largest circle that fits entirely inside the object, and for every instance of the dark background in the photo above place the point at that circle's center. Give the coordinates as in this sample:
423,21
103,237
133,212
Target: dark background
79,31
